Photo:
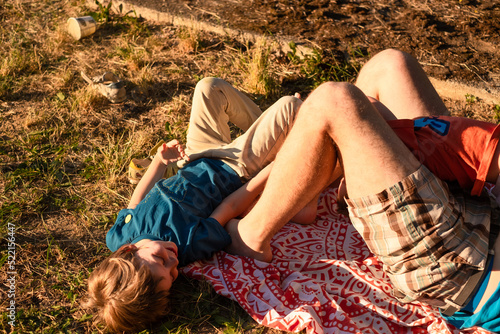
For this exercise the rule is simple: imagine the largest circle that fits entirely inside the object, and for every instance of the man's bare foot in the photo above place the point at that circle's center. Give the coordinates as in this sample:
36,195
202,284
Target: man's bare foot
257,250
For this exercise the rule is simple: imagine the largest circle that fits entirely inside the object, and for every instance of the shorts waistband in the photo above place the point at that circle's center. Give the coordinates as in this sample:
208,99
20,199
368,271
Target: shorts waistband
474,282
469,290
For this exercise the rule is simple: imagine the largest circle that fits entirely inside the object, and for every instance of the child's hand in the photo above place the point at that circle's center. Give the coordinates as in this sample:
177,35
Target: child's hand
171,152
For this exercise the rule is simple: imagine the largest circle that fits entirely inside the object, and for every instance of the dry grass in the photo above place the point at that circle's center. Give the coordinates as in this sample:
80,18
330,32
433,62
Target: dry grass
64,149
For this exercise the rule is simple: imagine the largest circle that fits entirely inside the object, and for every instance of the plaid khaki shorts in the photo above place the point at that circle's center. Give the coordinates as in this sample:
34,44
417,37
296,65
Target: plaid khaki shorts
431,238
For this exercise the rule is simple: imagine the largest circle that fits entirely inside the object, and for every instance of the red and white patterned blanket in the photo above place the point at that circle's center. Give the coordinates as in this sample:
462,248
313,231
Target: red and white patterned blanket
323,279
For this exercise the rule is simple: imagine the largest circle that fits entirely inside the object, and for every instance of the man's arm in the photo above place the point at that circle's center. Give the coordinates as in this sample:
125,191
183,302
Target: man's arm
167,153
242,199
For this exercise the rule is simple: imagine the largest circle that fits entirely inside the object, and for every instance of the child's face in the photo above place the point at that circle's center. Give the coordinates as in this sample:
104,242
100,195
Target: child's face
161,258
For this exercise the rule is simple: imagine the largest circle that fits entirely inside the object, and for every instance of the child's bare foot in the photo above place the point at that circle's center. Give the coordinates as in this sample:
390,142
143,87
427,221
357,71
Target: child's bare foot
260,250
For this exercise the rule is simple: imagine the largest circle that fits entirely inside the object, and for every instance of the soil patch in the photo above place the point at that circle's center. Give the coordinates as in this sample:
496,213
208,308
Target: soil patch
455,40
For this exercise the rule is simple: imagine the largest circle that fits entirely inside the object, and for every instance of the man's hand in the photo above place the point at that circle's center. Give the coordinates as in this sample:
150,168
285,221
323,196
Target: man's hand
171,152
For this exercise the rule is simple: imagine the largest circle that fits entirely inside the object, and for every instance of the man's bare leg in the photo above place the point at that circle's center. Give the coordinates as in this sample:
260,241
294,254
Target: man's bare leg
307,215
336,119
252,235
398,81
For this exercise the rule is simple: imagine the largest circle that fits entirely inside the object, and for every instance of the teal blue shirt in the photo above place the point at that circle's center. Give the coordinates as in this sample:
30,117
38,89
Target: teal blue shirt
487,318
177,209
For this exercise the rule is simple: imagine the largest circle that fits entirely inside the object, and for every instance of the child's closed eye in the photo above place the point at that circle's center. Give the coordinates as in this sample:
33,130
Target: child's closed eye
162,260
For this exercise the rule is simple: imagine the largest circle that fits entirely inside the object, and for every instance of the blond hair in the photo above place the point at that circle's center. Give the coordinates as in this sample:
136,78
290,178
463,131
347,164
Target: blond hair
124,293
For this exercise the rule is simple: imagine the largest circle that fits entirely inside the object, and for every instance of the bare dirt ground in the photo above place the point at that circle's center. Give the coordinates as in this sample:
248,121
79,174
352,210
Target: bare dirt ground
455,40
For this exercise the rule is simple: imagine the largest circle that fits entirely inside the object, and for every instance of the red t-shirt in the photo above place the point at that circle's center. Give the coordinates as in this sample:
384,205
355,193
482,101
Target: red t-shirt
453,148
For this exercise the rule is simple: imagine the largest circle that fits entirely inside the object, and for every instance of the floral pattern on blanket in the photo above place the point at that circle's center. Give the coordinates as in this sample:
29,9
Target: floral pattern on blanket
323,279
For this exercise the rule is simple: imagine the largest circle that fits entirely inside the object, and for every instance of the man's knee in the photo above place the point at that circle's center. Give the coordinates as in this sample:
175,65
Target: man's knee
335,90
387,62
334,105
330,98
391,55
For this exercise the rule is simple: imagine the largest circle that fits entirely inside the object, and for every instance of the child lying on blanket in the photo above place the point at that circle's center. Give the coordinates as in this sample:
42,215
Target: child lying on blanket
172,222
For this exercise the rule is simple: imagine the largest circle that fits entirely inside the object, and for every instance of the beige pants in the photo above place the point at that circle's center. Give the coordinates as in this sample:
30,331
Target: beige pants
215,104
